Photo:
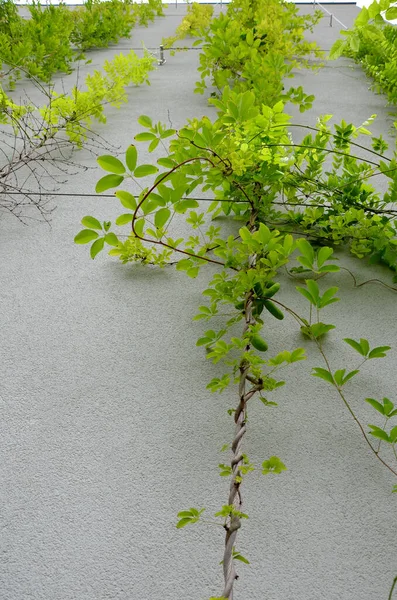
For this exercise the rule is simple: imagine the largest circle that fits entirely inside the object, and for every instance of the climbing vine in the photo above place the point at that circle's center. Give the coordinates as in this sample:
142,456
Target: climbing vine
41,134
291,204
372,41
55,36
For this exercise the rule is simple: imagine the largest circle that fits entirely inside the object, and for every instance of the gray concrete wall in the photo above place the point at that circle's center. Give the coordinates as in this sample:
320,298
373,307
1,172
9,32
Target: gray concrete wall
107,429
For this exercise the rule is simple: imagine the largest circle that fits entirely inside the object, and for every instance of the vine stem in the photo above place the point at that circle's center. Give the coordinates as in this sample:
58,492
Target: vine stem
392,588
233,523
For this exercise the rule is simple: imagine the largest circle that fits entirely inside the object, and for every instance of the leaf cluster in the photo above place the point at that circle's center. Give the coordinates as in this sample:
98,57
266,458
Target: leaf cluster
55,36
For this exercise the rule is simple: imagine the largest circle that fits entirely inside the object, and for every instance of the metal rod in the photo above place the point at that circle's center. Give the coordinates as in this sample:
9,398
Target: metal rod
330,19
161,60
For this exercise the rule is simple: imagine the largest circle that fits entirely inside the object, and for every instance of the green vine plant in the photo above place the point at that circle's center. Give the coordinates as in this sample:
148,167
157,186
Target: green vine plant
284,198
372,41
54,37
35,137
247,163
256,46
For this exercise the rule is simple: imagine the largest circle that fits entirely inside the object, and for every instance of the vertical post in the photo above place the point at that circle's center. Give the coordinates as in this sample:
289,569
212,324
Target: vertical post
162,59
330,19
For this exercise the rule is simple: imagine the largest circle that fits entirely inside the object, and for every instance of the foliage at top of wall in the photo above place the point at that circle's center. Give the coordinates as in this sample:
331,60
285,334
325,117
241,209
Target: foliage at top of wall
372,41
55,36
256,45
198,17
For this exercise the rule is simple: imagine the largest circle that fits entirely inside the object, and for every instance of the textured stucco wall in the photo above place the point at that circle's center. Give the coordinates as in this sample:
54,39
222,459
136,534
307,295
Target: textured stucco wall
107,430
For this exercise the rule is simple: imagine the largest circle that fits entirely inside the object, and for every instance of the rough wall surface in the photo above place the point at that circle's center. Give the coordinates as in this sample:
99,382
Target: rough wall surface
107,429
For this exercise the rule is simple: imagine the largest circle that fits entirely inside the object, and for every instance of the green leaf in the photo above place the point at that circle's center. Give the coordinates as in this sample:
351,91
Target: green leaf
145,137
153,145
273,465
124,219
96,247
183,514
111,239
356,346
376,405
161,217
323,374
329,269
107,182
328,297
91,223
388,404
183,523
323,255
319,329
393,435
349,376
126,199
131,156
139,225
379,433
337,49
391,13
145,170
240,557
166,162
314,290
307,249
307,295
85,236
379,352
111,164
145,121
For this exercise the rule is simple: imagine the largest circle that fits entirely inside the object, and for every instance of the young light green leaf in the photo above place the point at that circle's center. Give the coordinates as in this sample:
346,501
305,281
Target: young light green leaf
240,557
111,164
391,13
145,136
307,250
145,121
111,239
124,219
166,162
131,156
91,223
145,170
323,255
183,523
161,217
85,236
107,182
139,225
126,199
